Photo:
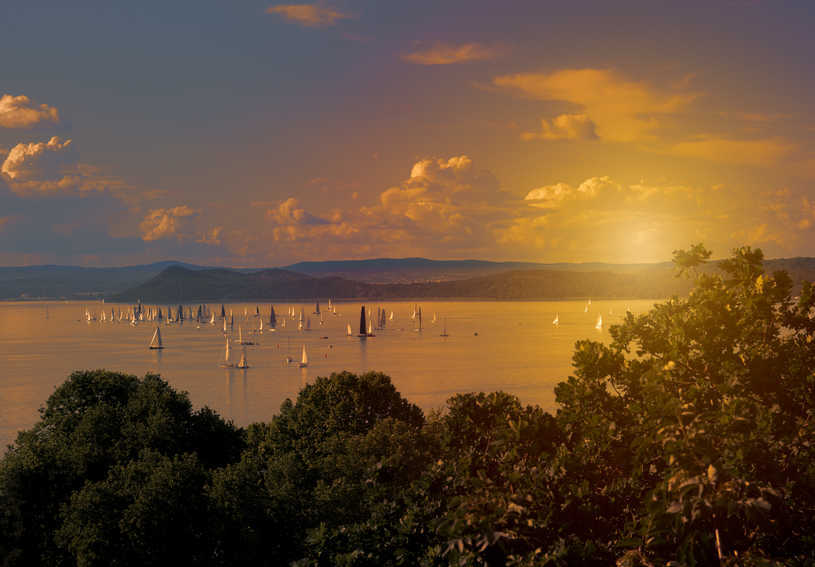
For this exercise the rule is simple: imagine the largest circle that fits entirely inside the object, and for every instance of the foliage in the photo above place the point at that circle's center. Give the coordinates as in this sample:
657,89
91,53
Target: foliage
93,423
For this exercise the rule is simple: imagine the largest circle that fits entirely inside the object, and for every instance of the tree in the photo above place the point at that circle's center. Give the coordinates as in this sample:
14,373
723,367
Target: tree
694,427
94,422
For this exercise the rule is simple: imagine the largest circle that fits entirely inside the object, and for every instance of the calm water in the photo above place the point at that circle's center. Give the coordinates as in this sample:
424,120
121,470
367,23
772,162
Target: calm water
516,349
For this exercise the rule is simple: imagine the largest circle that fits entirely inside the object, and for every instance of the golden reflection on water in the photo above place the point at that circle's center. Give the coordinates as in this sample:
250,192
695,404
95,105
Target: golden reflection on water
492,345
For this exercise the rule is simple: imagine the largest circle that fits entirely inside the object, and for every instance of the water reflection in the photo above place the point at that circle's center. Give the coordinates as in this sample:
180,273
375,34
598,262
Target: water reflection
517,349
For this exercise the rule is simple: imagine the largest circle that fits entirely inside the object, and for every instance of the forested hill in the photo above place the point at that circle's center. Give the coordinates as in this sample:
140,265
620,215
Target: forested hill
176,284
403,277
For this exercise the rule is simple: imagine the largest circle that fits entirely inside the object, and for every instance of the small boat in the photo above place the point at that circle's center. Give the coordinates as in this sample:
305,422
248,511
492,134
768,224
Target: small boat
444,329
155,342
242,362
363,330
241,340
227,363
556,320
304,358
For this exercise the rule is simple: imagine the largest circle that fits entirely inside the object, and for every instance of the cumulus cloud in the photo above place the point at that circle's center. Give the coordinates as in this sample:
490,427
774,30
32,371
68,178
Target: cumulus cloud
41,167
166,223
447,54
291,223
21,112
309,15
621,109
564,127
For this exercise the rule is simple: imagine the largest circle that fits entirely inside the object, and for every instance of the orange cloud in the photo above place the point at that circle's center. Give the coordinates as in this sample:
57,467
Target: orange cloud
164,223
739,152
564,127
448,54
40,167
21,112
622,109
309,15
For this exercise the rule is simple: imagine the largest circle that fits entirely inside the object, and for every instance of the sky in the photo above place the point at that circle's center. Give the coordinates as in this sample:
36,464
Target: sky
252,133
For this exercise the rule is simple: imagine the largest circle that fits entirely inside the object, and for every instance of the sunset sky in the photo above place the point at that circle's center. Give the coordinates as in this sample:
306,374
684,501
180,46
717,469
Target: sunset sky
255,133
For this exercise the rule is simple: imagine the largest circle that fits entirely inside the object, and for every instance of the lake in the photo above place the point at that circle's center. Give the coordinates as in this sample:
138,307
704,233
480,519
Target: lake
492,345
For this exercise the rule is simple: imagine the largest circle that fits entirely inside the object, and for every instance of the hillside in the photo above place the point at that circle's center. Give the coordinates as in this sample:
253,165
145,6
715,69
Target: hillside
177,284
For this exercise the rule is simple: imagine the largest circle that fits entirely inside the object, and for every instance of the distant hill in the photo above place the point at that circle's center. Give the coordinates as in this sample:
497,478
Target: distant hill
403,277
176,285
410,270
72,282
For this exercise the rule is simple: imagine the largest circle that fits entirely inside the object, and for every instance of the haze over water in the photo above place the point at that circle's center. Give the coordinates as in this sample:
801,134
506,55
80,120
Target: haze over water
517,349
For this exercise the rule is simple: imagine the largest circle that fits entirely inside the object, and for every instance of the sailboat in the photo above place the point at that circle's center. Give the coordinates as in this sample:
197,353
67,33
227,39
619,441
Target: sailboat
272,318
363,331
212,319
391,316
371,328
599,324
419,317
155,342
444,329
317,308
241,340
242,362
227,363
435,320
260,329
304,358
348,330
556,320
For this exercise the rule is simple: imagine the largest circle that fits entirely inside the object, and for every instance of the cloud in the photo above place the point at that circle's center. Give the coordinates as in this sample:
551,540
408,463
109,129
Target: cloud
564,127
41,167
166,223
291,223
448,54
762,152
621,109
21,112
309,15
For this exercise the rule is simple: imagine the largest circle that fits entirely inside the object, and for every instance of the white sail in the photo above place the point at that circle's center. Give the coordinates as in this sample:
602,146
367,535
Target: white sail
242,362
155,342
212,319
261,326
556,320
304,358
599,324
434,318
391,316
348,330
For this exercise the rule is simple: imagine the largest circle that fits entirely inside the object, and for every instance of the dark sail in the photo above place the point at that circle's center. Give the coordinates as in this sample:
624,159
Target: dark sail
363,331
272,318
223,312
